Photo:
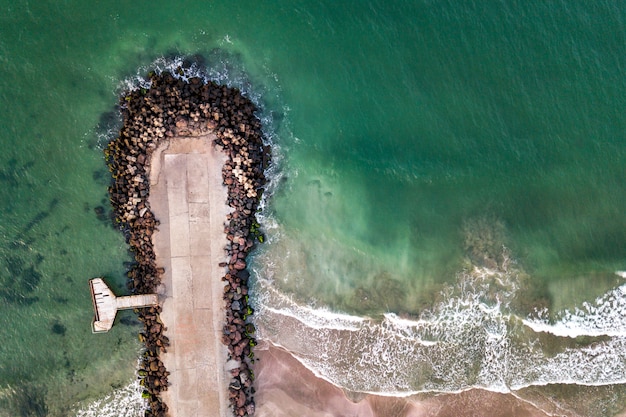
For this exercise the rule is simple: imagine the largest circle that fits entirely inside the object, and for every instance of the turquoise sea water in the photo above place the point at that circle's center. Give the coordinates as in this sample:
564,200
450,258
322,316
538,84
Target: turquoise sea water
414,140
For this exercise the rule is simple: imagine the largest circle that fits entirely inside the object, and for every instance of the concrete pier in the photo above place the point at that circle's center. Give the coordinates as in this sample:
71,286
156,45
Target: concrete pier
187,196
106,304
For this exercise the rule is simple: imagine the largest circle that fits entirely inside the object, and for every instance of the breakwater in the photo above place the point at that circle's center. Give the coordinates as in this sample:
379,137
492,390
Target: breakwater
175,105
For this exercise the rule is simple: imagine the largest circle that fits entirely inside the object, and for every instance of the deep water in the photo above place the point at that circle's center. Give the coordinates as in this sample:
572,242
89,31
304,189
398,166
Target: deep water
430,158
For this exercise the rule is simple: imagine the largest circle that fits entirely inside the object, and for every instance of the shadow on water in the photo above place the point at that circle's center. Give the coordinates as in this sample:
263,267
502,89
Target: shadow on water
12,174
26,400
18,281
109,120
109,123
20,270
128,318
102,177
37,219
198,60
58,329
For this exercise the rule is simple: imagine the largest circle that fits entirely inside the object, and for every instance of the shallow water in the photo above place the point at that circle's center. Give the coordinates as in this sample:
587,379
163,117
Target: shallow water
416,144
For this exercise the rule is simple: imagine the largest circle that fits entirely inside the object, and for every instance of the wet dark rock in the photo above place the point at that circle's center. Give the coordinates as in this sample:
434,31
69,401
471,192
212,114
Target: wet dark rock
171,107
239,264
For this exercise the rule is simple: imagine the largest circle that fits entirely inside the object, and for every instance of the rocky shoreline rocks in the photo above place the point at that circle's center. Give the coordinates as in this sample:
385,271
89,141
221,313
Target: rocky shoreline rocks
190,107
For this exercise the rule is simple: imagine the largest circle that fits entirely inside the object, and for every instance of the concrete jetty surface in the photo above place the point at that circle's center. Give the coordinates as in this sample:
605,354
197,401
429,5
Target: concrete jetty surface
106,304
189,199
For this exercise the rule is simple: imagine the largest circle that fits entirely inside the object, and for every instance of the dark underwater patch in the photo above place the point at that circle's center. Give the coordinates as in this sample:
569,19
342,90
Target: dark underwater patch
58,328
92,143
18,280
63,230
129,320
37,219
30,279
101,176
13,173
103,215
27,400
15,265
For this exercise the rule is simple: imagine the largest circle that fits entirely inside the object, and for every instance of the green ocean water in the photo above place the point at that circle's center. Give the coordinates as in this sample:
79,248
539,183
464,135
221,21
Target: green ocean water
405,132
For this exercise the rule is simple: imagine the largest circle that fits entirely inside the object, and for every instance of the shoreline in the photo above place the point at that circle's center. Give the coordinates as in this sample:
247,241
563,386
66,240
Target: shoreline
175,108
287,388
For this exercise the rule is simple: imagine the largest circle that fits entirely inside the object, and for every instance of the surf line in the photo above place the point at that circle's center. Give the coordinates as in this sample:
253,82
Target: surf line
179,104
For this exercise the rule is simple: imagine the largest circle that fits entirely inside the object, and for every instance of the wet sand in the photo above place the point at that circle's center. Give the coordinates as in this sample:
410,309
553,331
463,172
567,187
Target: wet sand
285,388
188,198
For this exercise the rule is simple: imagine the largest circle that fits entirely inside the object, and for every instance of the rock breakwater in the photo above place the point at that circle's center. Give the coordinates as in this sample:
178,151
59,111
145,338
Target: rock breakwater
177,106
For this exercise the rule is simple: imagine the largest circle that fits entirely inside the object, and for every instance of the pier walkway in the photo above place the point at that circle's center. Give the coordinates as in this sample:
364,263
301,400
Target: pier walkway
188,198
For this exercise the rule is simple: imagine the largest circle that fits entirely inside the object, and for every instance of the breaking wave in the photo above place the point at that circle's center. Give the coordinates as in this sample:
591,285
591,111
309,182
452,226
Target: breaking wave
604,317
470,339
124,402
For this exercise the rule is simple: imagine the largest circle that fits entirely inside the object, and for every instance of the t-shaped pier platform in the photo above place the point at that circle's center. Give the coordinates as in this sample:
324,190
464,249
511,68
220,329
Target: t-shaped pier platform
106,304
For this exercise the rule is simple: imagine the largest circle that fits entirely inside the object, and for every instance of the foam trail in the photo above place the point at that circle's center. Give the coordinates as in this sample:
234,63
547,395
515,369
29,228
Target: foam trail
314,318
124,402
463,343
604,317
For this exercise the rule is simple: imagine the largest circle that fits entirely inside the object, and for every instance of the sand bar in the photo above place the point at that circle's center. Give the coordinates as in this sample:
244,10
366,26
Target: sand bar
188,198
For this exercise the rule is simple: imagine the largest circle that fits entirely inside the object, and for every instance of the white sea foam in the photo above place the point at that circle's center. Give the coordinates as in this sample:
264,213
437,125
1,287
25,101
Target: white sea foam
469,340
310,317
124,402
604,317
224,69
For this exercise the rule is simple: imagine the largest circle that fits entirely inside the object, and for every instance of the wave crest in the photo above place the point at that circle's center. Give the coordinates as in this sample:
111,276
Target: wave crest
470,339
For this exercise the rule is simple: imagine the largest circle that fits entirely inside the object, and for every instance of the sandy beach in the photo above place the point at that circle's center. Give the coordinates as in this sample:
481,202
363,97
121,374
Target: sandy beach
188,198
285,388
